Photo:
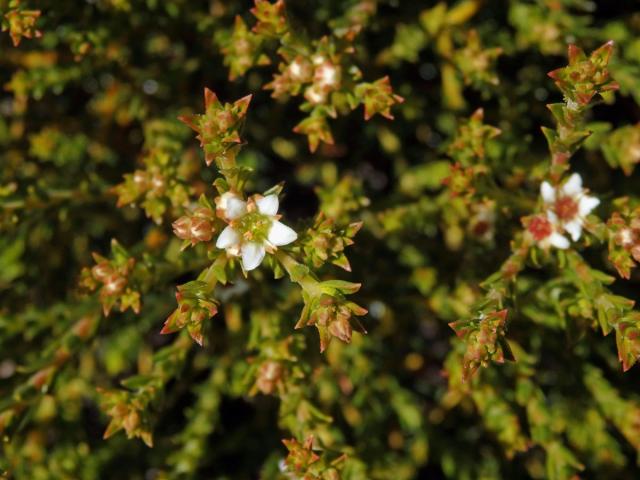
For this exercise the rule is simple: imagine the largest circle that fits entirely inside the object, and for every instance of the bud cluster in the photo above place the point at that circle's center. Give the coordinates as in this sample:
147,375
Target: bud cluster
469,145
465,201
270,377
195,305
323,242
270,18
112,277
321,71
621,148
161,187
585,77
196,226
484,339
131,409
332,314
304,463
218,128
127,413
624,238
476,63
20,23
580,81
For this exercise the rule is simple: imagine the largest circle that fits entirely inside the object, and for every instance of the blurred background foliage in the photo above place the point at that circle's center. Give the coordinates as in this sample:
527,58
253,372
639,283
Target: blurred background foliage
90,98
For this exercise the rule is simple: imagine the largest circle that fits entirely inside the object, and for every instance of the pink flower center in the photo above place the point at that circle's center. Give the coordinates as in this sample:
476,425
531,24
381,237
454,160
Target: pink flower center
540,228
566,208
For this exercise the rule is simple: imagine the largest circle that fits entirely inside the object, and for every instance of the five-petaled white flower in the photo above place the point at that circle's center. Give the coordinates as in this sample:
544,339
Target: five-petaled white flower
254,227
568,205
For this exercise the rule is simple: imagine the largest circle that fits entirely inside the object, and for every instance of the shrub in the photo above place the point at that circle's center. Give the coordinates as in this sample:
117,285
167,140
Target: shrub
368,251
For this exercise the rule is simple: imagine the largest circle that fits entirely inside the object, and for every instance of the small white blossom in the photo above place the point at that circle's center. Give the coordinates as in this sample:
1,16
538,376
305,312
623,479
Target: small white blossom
254,228
327,75
572,105
315,95
626,238
295,69
568,205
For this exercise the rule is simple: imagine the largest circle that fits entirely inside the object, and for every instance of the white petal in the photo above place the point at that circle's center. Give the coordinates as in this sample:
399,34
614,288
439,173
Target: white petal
573,186
221,201
268,205
252,255
574,228
552,217
235,208
587,204
548,192
559,241
280,234
228,238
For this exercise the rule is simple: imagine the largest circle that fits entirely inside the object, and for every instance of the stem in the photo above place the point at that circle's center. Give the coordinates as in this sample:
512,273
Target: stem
307,281
210,277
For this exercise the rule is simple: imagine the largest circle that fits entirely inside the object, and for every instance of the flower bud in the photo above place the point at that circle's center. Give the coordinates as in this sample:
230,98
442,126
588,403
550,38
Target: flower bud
182,228
269,375
201,230
102,271
131,421
315,95
341,329
327,75
158,183
625,237
197,227
141,179
300,70
114,284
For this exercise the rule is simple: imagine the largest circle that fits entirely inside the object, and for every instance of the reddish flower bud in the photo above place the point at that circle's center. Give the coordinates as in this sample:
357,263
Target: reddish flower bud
182,228
102,271
201,230
269,375
131,421
114,284
197,227
341,329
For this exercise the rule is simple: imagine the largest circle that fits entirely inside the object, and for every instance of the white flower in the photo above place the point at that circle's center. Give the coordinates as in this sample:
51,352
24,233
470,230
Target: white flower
300,70
626,237
315,95
254,228
318,59
545,233
295,69
568,205
327,75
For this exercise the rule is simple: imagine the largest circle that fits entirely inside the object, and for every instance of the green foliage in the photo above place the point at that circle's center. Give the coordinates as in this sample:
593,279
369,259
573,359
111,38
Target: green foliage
466,263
